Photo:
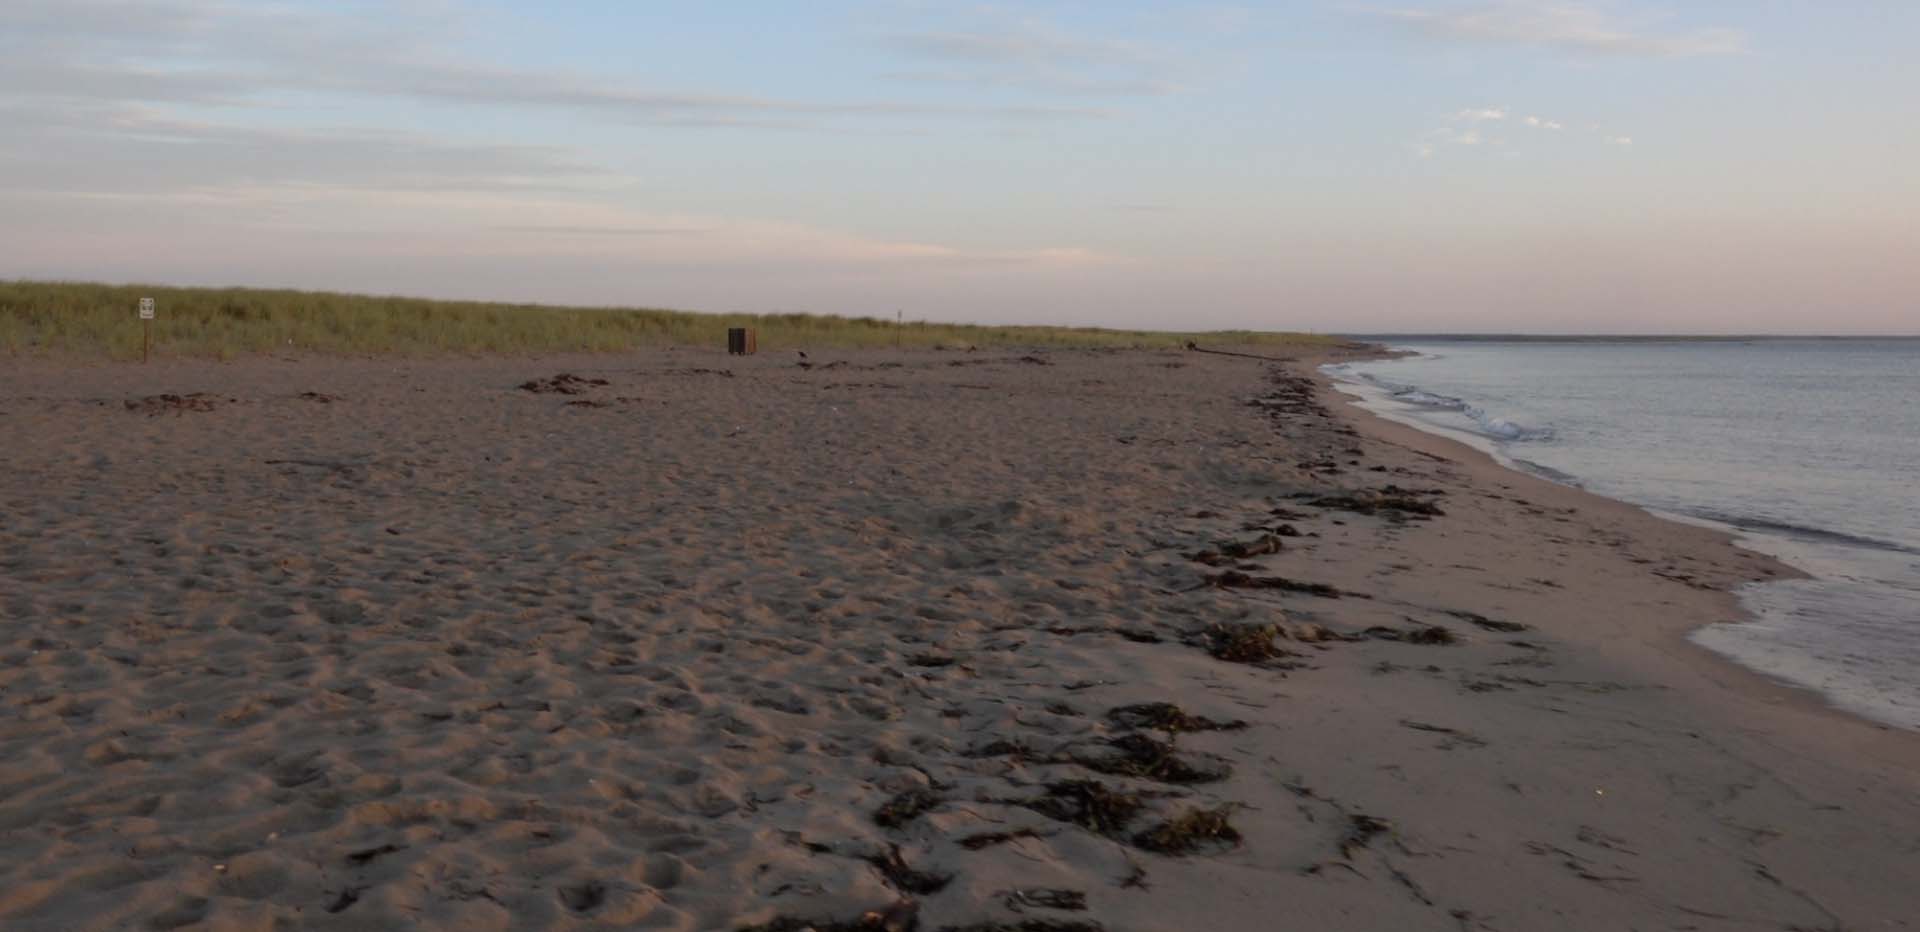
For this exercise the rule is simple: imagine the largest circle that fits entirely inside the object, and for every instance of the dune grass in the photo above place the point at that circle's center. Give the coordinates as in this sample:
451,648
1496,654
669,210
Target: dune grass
99,321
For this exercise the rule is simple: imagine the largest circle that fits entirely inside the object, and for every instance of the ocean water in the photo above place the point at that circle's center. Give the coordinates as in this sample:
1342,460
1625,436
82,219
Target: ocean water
1809,450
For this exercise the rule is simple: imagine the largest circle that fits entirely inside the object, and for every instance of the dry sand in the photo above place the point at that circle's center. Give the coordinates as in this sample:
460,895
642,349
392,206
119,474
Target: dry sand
427,650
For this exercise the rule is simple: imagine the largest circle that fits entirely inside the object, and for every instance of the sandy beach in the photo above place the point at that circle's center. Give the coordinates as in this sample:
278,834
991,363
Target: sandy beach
1066,640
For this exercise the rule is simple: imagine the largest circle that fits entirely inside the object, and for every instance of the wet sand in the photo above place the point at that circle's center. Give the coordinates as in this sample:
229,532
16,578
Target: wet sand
1082,640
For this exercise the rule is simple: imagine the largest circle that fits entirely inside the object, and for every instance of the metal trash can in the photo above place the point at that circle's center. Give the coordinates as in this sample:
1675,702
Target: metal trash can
741,342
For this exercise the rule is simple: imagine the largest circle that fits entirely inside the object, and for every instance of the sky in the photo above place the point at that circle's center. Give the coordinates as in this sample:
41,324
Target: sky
1545,166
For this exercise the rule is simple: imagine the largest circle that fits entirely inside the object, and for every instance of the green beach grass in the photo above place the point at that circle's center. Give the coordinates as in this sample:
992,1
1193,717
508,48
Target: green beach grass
100,321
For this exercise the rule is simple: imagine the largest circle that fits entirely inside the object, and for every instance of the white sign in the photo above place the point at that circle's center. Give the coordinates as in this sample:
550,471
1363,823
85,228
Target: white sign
146,308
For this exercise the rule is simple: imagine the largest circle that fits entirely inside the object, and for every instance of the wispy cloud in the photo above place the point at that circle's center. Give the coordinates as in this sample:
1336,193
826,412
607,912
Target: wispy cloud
93,147
1446,136
1035,56
1050,82
1028,44
555,230
1574,26
1463,128
127,119
259,222
179,51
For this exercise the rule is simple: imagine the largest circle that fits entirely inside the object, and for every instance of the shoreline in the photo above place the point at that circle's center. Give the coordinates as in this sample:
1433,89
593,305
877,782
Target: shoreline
1755,685
1742,539
940,640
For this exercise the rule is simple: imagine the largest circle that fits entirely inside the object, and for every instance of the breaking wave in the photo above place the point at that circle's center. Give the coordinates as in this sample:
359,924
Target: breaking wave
1485,422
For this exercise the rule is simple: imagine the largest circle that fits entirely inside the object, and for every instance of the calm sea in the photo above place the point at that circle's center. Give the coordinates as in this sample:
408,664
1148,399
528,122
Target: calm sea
1808,449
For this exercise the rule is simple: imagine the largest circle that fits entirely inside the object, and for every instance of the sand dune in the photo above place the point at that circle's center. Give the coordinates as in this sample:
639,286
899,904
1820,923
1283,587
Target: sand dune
732,643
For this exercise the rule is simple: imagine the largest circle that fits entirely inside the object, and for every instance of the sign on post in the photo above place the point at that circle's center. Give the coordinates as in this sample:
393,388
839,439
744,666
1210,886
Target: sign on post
146,329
